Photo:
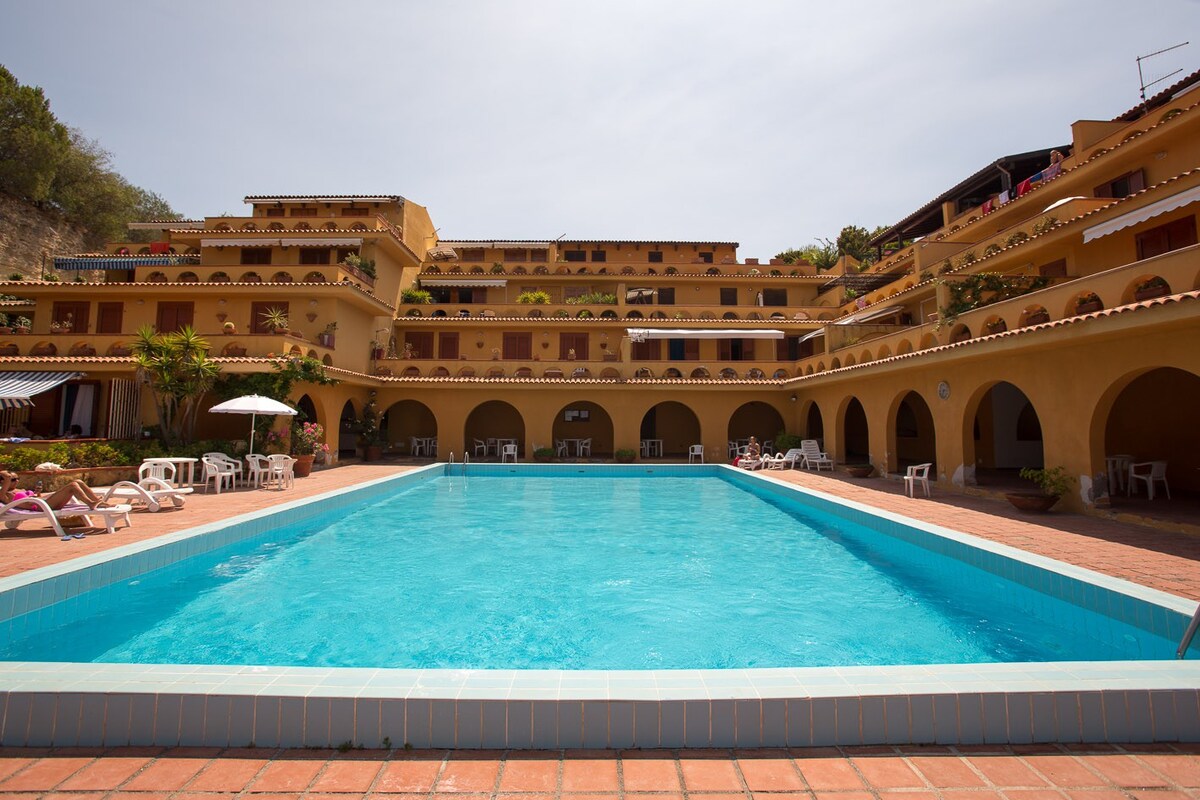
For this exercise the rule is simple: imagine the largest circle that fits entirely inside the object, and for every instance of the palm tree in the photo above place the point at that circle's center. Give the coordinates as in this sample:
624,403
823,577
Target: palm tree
177,369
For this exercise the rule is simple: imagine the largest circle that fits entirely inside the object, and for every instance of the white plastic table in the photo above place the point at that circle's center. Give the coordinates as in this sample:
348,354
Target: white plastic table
178,463
652,448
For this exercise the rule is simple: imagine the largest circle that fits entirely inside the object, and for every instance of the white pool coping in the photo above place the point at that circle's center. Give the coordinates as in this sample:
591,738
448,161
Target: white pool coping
73,704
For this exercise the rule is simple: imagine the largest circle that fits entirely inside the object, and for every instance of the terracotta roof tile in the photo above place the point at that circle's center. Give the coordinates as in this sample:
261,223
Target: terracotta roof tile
561,240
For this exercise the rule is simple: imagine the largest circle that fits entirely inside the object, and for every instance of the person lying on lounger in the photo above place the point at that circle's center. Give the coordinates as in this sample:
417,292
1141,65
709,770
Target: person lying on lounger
73,491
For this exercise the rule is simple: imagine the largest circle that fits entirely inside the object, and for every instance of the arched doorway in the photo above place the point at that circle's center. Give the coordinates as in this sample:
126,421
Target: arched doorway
584,420
1004,436
814,425
306,410
1147,421
494,419
410,427
912,439
347,440
675,425
757,419
856,440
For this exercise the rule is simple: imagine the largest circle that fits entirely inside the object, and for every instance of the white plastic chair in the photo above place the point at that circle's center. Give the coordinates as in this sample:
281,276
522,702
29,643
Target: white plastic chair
1157,472
788,460
560,448
917,473
734,450
153,492
695,452
232,462
281,471
416,447
258,467
219,472
508,450
480,448
583,447
813,457
162,470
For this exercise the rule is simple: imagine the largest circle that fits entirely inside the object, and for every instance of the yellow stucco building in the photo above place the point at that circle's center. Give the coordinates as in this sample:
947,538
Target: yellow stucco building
1037,313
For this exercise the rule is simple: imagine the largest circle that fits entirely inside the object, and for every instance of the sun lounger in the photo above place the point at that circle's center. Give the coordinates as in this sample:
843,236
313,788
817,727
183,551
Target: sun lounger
35,508
153,492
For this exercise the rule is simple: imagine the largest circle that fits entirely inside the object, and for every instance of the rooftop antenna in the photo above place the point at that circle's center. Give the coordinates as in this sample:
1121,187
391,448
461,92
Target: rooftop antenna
1142,80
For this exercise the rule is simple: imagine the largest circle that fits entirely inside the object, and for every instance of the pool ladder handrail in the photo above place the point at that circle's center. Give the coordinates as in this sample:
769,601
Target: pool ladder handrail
1188,634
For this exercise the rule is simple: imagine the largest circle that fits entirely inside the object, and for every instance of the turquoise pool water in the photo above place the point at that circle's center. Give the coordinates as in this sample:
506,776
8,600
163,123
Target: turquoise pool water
572,572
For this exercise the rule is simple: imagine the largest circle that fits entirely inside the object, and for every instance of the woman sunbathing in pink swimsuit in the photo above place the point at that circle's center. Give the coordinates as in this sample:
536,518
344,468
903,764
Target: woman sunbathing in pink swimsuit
73,491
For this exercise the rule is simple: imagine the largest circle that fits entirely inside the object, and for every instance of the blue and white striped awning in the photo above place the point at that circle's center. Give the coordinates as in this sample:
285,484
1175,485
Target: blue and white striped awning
17,388
121,262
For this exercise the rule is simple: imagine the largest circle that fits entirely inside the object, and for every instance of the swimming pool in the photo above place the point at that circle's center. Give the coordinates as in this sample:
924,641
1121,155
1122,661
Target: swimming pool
81,703
578,572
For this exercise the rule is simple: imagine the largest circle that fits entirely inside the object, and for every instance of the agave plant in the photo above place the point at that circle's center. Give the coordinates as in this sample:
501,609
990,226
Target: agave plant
176,368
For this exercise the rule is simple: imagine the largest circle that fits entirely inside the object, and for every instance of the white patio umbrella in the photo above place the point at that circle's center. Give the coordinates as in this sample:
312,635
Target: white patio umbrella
253,404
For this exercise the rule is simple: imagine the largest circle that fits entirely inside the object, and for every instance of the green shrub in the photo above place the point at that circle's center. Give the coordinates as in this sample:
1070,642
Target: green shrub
416,297
593,299
785,441
534,298
1053,481
625,456
96,454
543,454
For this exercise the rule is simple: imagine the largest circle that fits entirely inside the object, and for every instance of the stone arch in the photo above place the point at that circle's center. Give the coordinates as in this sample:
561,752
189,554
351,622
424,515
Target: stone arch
406,419
905,346
1034,314
671,372
327,360
730,315
330,226
864,357
410,372
347,438
994,324
779,374
1142,414
303,226
553,372
476,270
494,372
627,270
581,372
700,373
643,372
188,277
657,315
675,424
855,439
249,226
836,363
610,374
1145,287
707,315
250,277
884,352
727,374
813,421
850,360
1085,302
928,340
218,277
634,315
306,411
1001,434
275,226
585,419
233,349
439,372
466,372
756,418
960,333
494,419
523,372
520,271
911,433
157,277
282,277
314,277
608,313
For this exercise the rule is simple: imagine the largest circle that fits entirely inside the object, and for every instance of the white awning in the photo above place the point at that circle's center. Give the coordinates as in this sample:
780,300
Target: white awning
463,282
642,334
322,242
239,242
874,313
811,335
497,245
17,388
1130,218
442,253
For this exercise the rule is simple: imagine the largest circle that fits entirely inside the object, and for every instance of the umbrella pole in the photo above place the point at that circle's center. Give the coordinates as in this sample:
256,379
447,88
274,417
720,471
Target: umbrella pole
252,416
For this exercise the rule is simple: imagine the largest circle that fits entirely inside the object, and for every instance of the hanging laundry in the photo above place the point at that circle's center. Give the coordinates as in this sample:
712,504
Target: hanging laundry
986,208
1003,198
1024,186
1051,171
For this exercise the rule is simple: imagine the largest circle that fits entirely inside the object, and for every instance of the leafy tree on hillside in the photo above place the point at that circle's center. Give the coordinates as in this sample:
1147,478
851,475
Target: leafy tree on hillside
43,161
822,254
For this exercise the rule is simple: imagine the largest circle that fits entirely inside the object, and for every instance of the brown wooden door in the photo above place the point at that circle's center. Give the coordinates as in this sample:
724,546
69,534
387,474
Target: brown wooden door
173,315
73,313
109,317
259,310
573,341
447,346
421,343
518,346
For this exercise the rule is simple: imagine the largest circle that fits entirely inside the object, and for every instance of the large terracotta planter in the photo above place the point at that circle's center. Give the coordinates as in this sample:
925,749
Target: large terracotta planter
303,466
860,470
1032,502
372,452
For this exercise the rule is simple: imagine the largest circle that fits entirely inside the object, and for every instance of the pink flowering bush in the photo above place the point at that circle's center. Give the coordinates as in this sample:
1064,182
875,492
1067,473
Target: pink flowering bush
306,439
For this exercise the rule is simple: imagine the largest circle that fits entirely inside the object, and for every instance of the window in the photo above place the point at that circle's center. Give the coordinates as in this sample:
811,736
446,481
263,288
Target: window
515,256
447,346
1123,186
518,346
788,349
573,341
73,314
575,291
707,258
655,256
729,297
256,255
472,254
575,255
1055,269
275,212
735,349
174,315
351,211
666,296
1165,238
541,254
774,297
314,255
421,344
109,317
302,212
577,415
649,350
599,255
683,349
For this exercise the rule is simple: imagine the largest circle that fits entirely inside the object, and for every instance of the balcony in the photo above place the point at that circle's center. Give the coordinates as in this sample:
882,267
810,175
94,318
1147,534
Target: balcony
87,345
611,270
616,369
620,311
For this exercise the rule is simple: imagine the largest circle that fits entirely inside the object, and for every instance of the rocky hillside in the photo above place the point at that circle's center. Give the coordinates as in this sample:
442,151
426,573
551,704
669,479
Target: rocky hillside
27,233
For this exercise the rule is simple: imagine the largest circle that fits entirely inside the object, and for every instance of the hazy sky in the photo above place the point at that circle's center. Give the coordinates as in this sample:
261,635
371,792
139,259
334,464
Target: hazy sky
766,123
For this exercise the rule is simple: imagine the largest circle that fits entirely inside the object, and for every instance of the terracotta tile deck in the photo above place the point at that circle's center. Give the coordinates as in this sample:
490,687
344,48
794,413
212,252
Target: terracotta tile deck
1051,772
1167,561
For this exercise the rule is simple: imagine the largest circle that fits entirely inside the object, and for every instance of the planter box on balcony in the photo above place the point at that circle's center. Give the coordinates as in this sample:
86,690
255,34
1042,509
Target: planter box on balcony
1151,292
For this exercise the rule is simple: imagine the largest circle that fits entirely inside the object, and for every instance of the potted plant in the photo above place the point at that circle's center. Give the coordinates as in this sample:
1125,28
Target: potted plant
62,325
1087,303
326,336
1053,482
372,436
1151,287
306,444
276,319
625,456
5,326
229,328
543,454
495,354
376,349
860,470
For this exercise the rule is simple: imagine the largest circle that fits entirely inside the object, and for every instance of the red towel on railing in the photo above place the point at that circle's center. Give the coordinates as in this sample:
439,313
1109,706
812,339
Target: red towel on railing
1024,186
987,207
160,247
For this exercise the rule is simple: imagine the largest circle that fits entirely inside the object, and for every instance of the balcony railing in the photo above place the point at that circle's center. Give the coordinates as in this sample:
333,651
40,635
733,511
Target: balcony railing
620,311
84,345
568,369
